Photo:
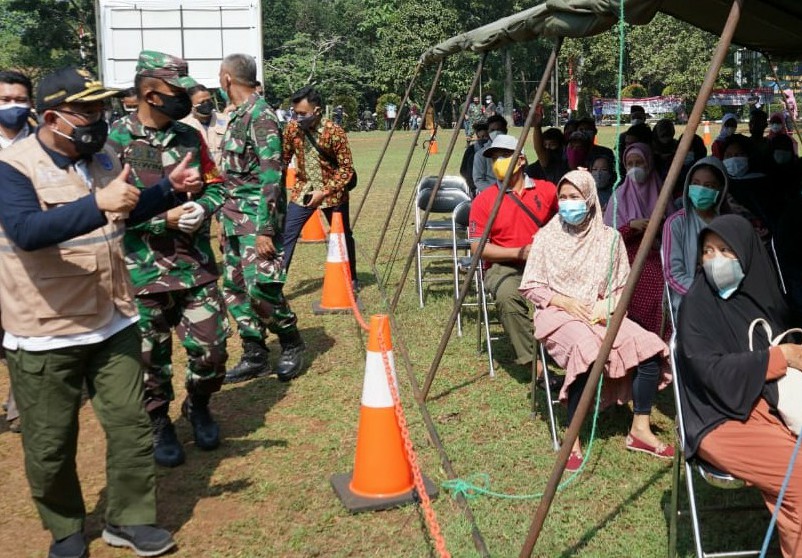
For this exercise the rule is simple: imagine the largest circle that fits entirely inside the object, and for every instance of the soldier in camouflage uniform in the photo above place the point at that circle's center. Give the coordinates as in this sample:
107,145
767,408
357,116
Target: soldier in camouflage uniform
252,220
170,258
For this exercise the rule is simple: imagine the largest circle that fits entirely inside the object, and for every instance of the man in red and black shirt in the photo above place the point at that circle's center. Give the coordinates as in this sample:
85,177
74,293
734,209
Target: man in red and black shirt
527,206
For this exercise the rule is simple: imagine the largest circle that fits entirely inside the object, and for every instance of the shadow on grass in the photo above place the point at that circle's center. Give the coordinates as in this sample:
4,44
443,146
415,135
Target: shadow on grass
466,383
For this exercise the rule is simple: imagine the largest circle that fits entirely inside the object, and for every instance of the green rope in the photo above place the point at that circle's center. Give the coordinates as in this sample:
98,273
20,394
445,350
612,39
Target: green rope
478,484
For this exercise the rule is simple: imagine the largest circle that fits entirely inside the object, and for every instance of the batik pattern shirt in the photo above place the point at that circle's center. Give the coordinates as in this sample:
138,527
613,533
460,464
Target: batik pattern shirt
161,258
255,201
333,141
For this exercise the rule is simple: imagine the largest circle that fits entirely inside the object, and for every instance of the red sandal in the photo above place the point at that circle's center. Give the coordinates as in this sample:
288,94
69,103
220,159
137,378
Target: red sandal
663,451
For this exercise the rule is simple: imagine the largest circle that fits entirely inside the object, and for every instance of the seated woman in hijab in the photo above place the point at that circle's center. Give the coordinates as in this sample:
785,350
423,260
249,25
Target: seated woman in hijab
729,123
728,392
702,200
777,127
573,282
664,145
749,187
629,211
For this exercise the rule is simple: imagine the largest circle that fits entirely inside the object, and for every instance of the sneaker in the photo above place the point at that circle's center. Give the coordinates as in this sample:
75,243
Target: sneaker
167,450
145,540
204,428
73,546
291,361
254,363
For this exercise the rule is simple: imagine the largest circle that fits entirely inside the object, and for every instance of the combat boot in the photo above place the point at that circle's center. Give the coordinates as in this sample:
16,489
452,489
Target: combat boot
204,428
291,361
167,450
254,363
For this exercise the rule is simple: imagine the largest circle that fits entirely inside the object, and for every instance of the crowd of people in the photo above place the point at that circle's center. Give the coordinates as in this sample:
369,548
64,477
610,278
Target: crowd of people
107,251
567,231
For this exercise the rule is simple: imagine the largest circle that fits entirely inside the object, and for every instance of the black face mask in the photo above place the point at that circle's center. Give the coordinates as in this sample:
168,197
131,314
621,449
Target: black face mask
88,139
205,108
175,107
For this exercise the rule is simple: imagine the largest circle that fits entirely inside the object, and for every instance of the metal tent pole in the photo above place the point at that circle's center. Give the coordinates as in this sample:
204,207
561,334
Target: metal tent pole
404,101
443,168
637,267
404,170
491,218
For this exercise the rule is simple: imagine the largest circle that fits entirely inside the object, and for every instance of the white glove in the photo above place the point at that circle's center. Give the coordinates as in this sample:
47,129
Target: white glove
192,218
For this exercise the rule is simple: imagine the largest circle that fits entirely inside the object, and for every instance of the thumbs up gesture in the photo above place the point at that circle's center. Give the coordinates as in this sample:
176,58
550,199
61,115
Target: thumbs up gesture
184,178
118,196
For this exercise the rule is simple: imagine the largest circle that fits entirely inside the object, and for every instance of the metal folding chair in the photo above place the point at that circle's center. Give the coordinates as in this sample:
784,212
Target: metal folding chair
550,400
461,254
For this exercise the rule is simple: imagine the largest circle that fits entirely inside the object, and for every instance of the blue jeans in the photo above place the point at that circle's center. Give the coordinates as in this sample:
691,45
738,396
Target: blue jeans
298,215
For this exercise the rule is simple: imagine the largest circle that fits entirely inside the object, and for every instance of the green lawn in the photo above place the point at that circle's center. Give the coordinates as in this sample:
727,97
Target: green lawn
265,492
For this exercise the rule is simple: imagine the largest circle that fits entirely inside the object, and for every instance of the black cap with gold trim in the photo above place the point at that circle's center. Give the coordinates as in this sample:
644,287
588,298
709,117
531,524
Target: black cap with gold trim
69,85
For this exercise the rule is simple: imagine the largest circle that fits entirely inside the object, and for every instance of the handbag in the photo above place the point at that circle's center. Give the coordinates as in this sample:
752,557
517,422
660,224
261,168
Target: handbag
332,161
789,387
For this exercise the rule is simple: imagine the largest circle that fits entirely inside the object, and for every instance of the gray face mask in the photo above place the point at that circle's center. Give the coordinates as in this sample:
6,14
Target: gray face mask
725,273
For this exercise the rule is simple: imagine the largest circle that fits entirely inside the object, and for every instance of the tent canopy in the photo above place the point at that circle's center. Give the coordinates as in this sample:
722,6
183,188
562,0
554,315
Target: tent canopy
773,27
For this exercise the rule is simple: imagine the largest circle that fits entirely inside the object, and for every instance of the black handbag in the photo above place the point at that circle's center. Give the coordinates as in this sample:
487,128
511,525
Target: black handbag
332,161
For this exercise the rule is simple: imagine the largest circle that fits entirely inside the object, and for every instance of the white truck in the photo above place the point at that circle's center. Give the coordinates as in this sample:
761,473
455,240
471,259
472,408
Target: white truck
203,32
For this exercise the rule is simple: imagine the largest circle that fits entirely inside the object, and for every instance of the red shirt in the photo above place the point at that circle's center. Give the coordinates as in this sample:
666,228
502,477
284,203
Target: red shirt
513,227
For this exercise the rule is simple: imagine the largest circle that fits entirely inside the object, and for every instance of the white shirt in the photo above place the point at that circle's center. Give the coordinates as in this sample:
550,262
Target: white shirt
21,135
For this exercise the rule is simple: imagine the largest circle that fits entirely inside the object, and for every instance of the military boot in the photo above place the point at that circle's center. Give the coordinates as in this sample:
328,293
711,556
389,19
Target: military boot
291,361
255,362
167,450
204,428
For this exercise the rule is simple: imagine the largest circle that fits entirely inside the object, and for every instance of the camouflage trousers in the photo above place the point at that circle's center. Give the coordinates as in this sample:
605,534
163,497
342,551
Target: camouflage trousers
199,319
253,290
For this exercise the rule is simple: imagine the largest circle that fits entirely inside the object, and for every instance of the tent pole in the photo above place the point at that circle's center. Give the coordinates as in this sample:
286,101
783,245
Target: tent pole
443,168
617,318
404,170
404,101
466,285
777,79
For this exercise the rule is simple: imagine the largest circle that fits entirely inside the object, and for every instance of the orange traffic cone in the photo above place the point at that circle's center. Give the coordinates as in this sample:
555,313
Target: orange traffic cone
336,285
433,146
382,476
706,136
313,229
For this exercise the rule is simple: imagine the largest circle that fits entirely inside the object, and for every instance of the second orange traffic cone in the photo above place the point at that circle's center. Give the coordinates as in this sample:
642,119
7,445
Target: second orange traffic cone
706,136
313,229
433,146
336,284
382,477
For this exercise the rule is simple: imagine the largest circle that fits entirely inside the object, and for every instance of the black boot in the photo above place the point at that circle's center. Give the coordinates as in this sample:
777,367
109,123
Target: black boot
291,360
255,362
204,428
167,450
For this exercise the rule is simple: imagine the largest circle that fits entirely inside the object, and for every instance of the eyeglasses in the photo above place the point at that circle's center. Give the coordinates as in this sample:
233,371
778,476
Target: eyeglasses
87,116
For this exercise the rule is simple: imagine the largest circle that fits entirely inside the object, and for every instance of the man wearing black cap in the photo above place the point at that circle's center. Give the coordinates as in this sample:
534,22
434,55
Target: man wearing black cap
69,314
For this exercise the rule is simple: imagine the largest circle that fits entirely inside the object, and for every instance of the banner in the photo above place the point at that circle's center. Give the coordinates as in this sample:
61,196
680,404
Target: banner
739,97
652,105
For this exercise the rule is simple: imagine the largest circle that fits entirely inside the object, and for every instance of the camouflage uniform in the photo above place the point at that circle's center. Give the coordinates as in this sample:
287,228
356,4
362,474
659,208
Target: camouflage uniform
255,205
174,273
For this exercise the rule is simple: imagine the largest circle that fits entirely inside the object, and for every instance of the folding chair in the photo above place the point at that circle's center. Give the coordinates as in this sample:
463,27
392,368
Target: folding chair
461,254
710,474
445,201
448,183
550,400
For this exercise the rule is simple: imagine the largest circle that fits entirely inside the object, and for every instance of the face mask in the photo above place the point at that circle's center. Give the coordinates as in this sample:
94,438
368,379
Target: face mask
306,122
782,157
482,142
776,128
500,167
14,115
689,159
725,273
702,197
736,166
205,108
175,107
129,110
602,178
494,134
573,212
88,139
638,174
727,132
577,156
636,121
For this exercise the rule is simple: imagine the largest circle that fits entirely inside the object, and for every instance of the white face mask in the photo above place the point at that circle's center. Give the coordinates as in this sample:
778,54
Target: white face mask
776,128
725,273
494,134
736,166
638,174
636,121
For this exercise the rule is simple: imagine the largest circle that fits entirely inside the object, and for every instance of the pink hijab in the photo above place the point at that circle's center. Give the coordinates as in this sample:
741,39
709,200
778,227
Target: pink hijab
636,201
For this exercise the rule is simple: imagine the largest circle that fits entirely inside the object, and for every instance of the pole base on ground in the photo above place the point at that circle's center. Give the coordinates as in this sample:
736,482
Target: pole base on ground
317,309
358,504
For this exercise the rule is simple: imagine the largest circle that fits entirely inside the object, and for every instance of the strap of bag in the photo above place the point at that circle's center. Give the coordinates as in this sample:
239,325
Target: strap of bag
528,211
772,340
327,156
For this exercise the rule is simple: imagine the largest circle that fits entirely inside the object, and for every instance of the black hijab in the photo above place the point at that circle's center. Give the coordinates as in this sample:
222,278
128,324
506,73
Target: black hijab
721,378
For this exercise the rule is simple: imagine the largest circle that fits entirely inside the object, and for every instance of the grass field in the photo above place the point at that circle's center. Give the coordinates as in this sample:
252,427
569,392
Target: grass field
265,492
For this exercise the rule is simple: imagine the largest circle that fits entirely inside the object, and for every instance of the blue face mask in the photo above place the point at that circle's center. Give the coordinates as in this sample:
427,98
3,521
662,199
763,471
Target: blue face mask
702,197
14,115
725,273
573,212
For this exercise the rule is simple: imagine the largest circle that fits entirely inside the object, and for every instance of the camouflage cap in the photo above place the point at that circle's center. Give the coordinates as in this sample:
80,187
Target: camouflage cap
171,69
